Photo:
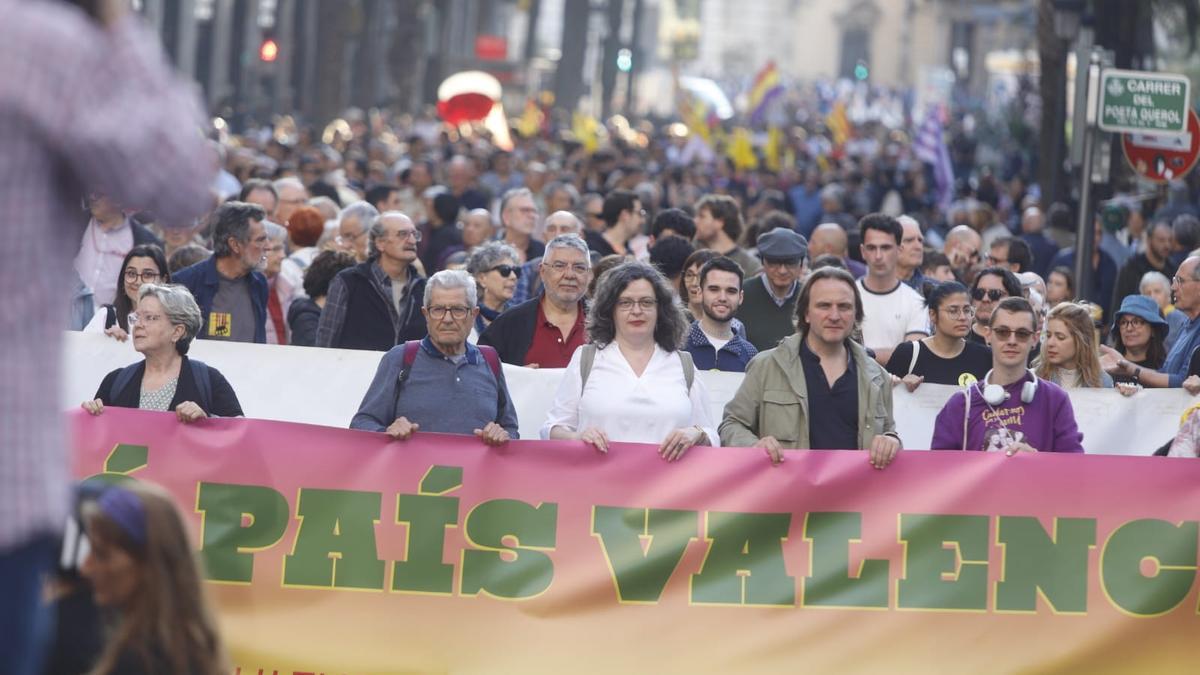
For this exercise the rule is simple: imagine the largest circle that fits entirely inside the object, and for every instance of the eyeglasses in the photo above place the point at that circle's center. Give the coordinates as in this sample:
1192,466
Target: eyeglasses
958,312
993,260
790,264
561,267
415,235
993,294
134,318
506,270
1180,280
147,276
457,312
645,304
1005,333
1131,322
597,215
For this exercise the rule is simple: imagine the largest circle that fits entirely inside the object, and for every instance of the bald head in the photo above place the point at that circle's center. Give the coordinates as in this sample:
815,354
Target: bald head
560,223
828,239
1032,220
962,246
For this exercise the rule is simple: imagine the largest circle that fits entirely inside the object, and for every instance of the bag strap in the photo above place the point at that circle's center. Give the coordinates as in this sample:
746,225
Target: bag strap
912,363
110,316
689,368
493,360
966,413
406,364
586,359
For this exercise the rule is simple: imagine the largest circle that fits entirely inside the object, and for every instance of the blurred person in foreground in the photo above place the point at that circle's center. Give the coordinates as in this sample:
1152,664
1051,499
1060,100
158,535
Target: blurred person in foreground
142,568
129,130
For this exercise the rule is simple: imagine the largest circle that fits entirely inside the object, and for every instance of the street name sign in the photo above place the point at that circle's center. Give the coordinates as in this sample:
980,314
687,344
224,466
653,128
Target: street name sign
1133,101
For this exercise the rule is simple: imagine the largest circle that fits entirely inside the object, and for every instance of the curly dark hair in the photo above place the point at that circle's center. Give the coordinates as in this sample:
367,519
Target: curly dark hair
321,271
670,323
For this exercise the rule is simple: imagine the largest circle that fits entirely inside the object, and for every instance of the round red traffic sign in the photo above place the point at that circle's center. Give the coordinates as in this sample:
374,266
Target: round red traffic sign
1163,157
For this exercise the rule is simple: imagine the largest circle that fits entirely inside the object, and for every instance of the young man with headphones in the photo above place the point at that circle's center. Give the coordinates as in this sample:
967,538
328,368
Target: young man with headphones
1011,409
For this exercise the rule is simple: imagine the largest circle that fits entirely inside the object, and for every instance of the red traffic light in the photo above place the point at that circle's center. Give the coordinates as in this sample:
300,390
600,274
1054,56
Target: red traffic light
268,51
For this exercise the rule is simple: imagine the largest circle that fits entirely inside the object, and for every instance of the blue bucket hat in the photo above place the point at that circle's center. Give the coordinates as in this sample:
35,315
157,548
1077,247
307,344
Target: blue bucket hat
1142,307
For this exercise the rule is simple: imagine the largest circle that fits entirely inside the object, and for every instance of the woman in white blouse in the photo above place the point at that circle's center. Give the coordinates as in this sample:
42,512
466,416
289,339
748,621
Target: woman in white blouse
640,387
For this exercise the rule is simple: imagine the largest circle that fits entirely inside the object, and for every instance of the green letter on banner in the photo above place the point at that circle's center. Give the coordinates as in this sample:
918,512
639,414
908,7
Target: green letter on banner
1171,548
335,544
744,565
643,547
228,546
1033,561
936,577
830,584
513,571
427,515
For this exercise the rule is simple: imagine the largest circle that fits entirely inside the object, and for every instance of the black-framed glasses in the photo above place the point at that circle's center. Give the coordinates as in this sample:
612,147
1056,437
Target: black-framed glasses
1005,333
506,270
457,312
147,276
1131,322
993,294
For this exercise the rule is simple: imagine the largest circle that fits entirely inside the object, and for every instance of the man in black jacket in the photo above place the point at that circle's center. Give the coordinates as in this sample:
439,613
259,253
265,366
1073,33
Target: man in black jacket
545,331
377,304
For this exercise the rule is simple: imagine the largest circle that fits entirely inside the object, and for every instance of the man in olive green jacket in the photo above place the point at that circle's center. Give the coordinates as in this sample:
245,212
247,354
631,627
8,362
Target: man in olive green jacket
778,400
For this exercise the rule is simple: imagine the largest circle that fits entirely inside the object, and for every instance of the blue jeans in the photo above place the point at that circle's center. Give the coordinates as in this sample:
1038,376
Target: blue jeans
25,620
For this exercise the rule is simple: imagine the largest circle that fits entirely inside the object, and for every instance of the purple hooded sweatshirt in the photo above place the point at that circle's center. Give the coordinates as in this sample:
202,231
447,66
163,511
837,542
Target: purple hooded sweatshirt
1047,423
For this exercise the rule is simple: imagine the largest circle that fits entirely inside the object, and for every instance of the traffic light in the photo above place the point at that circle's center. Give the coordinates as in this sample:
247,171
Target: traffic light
860,71
268,51
624,60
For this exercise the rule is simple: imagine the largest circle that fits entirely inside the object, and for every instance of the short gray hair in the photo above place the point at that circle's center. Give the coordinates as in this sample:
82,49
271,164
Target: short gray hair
451,280
487,256
511,195
288,182
561,186
361,211
232,219
180,307
275,231
563,241
1153,277
375,230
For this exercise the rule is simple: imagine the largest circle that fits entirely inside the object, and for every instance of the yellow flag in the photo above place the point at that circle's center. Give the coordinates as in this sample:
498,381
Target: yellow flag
774,140
741,149
838,123
585,128
531,120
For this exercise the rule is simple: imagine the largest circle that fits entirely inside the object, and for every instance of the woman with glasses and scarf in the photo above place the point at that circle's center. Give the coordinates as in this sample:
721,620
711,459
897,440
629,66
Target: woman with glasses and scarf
163,327
496,271
946,357
144,264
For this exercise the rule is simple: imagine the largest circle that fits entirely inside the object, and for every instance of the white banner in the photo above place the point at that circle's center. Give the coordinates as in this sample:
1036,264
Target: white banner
325,386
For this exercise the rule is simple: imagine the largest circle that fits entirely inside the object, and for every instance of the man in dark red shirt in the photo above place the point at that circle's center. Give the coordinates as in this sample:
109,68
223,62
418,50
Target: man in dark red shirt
545,331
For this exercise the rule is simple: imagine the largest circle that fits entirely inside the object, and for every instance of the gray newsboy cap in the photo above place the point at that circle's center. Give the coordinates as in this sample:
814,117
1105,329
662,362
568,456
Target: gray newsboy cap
782,244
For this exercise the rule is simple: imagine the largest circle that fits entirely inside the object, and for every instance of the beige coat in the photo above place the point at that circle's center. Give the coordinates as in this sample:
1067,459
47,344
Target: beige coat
773,400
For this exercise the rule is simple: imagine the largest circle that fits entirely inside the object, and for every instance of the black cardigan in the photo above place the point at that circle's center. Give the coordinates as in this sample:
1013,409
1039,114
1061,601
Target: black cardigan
224,401
511,333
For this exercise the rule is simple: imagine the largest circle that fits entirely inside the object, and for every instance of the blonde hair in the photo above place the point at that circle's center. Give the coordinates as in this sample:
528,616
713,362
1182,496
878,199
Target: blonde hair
1078,320
168,618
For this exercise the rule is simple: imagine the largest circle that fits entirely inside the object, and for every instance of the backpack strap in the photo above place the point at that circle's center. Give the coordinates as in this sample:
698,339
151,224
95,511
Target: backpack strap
912,363
406,364
966,413
689,368
493,360
586,359
202,374
110,316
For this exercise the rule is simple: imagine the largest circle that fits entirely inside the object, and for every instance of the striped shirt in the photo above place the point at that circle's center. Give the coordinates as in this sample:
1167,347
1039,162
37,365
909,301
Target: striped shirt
82,109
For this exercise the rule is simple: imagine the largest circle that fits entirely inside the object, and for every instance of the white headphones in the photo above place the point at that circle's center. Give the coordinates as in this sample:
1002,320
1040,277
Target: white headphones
994,394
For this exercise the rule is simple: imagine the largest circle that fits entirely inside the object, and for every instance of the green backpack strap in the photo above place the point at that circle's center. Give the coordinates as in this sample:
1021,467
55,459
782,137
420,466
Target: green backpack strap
689,368
586,359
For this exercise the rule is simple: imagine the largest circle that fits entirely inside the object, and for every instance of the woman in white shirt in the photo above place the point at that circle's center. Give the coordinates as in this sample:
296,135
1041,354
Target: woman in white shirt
640,387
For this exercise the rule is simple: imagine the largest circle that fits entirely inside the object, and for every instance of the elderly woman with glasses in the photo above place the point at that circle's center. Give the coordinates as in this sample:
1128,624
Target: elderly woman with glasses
144,264
633,383
164,325
946,357
496,270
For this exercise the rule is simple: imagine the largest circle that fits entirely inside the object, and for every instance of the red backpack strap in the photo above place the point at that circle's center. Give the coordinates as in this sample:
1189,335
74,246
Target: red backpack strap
492,357
410,353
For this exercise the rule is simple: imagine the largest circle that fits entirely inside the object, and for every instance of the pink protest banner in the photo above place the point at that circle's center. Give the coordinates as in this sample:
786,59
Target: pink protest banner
341,552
